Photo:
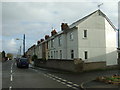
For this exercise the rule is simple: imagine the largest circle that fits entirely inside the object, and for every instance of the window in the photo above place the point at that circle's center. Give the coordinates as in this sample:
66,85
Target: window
72,54
85,34
86,55
56,54
52,42
71,36
51,54
48,55
60,54
59,40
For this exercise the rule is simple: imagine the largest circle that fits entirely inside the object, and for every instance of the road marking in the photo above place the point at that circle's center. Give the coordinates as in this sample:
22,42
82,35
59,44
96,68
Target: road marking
76,85
11,70
10,87
70,82
63,82
68,85
58,80
11,78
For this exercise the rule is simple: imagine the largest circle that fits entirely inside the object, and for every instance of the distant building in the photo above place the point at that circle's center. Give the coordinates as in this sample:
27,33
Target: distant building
92,38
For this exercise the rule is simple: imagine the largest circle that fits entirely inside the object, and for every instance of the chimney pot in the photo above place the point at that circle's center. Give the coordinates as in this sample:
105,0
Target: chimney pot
64,26
46,37
53,32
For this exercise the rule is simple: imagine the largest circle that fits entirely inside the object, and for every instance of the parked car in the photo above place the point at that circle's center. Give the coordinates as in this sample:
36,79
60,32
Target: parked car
22,62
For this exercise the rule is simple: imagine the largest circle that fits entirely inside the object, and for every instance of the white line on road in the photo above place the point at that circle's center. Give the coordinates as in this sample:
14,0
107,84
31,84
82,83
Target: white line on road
76,85
11,78
63,82
11,71
10,87
58,80
70,82
68,85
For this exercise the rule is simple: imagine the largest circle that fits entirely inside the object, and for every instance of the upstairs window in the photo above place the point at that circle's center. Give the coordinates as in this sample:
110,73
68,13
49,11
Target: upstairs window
52,42
59,40
71,36
85,34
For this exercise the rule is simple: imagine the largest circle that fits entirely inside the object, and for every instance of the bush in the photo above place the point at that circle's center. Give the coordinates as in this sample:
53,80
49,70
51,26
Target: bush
34,57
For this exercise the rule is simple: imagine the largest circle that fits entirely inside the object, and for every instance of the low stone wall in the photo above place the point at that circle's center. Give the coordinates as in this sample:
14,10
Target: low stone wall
67,65
94,65
76,65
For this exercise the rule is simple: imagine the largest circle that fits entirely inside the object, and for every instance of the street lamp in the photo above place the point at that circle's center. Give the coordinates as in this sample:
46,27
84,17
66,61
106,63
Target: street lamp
23,44
118,48
20,46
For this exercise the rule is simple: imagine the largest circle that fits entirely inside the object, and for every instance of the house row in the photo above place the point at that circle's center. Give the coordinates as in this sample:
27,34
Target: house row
92,39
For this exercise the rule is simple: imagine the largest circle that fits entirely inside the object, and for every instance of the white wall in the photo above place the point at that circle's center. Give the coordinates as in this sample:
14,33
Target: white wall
111,44
72,44
56,48
95,41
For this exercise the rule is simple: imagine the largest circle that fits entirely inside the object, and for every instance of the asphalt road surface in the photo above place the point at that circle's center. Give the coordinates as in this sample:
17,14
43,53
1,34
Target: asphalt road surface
37,78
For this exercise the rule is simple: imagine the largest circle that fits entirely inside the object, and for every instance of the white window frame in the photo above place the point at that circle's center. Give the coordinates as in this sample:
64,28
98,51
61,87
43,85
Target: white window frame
72,52
71,36
85,32
85,55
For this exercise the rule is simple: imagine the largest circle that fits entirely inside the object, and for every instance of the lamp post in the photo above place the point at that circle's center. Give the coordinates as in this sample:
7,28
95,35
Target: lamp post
23,44
19,50
118,49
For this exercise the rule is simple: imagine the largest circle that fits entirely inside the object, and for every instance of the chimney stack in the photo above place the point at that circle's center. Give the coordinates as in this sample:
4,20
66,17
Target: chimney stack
38,42
53,32
64,26
42,40
46,37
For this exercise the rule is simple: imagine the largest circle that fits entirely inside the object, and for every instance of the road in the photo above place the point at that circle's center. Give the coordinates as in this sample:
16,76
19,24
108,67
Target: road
13,77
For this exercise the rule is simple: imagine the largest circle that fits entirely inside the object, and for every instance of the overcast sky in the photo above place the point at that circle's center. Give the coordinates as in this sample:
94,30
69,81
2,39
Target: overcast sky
36,19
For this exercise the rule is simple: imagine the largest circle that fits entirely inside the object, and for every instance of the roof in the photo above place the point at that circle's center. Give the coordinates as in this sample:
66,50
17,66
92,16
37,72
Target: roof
84,18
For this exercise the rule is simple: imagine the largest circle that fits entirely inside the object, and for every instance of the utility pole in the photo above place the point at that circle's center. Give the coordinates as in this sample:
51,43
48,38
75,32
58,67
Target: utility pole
118,48
20,50
24,45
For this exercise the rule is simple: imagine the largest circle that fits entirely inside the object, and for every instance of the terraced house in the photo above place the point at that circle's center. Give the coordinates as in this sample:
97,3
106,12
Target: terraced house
92,38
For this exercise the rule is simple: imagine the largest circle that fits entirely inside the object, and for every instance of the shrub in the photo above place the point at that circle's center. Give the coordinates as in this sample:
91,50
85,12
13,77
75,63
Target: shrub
34,57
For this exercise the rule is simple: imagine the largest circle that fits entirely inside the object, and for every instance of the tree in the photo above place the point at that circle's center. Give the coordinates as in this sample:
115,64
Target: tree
10,55
3,54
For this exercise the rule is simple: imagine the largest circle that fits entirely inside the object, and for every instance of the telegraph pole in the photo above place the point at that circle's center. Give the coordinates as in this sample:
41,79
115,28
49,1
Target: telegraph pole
118,48
24,45
20,50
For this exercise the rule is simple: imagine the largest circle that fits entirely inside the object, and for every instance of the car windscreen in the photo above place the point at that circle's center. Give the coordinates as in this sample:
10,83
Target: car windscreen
23,60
